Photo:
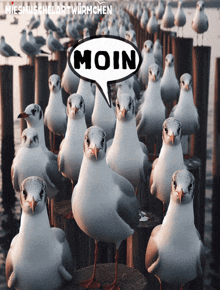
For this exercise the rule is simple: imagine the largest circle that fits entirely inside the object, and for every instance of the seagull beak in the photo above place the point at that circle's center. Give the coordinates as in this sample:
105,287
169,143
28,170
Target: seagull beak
33,204
23,115
75,110
154,78
124,112
95,151
181,194
172,138
187,87
148,49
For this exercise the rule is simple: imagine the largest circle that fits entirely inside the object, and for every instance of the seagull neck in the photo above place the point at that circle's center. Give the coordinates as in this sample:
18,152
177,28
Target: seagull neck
57,97
83,85
125,133
169,70
153,94
39,126
35,224
75,127
186,98
175,150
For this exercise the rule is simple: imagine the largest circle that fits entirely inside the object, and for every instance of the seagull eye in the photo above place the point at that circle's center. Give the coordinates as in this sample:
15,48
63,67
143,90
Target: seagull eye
103,140
183,82
118,105
190,186
178,131
174,184
33,112
24,192
35,138
165,129
129,106
41,194
150,72
25,138
57,83
70,104
81,104
87,141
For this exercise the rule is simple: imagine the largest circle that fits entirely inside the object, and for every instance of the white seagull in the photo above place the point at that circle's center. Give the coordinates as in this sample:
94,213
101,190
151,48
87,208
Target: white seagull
6,50
200,23
168,17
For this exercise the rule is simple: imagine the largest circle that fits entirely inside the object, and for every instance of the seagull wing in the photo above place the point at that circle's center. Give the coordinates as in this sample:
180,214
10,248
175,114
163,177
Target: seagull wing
57,45
152,187
127,206
9,50
53,174
10,275
172,112
14,178
29,49
152,253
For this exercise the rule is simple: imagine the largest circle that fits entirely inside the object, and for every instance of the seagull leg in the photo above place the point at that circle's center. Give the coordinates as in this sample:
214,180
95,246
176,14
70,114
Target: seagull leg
202,39
114,285
181,287
92,282
160,286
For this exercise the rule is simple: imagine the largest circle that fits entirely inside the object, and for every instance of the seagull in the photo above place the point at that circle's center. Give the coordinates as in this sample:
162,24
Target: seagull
85,90
69,81
6,50
86,33
39,256
27,47
170,88
53,44
170,160
180,17
31,20
131,36
71,149
152,25
34,24
152,112
127,156
144,18
175,253
122,29
185,111
168,17
48,24
160,10
200,23
38,41
148,59
71,31
103,116
112,27
33,115
99,29
101,200
31,160
55,117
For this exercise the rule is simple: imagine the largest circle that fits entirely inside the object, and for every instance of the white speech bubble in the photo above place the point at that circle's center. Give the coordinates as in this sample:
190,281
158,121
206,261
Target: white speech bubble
104,59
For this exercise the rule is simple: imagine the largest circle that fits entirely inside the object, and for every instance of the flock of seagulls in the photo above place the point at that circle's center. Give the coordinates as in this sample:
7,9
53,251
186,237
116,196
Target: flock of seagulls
103,155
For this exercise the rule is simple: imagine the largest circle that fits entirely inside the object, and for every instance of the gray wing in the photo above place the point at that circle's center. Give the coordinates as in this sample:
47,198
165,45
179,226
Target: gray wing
52,156
152,187
51,25
201,260
172,112
9,50
67,261
29,49
53,174
127,206
57,45
146,166
152,253
144,148
10,275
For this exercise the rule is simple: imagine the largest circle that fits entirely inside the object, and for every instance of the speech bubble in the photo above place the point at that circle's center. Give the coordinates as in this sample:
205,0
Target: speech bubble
104,59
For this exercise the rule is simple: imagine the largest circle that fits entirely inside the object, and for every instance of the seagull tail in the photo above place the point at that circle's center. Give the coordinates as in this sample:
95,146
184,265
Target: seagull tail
42,51
63,272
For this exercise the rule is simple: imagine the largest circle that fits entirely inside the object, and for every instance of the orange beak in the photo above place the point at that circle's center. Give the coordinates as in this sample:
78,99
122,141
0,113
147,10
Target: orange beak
124,112
172,138
95,151
187,87
23,115
154,78
180,194
75,110
33,204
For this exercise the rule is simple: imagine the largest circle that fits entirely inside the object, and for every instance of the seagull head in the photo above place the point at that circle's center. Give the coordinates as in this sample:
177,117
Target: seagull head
2,39
30,33
50,32
172,131
154,73
186,82
29,138
33,114
75,106
148,46
132,37
54,83
125,107
105,31
86,32
33,197
95,143
200,5
23,32
157,45
182,186
169,60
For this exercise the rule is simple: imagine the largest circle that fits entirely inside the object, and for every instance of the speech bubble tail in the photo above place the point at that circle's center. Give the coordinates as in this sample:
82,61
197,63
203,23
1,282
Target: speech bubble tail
105,92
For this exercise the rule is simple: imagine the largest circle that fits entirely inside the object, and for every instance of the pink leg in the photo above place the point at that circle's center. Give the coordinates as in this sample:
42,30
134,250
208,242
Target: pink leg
114,285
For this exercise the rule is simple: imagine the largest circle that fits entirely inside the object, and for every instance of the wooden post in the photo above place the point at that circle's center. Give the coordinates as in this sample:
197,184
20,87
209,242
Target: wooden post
182,52
26,88
52,67
61,57
201,70
7,133
216,173
165,45
169,41
41,87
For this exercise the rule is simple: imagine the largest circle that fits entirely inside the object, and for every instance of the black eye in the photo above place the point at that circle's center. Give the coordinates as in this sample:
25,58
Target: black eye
25,138
57,83
183,82
190,186
118,105
41,193
150,72
81,104
33,112
87,141
178,131
129,106
24,192
165,129
70,104
174,184
158,72
35,138
103,140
